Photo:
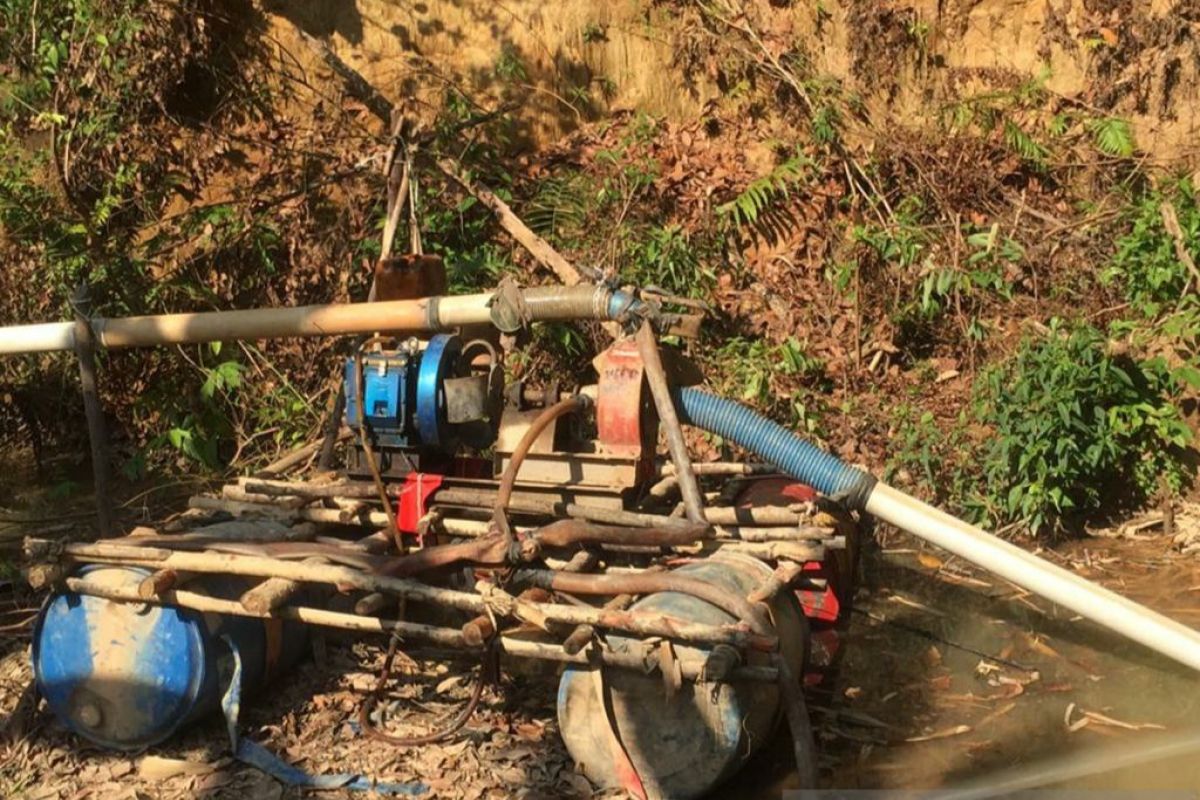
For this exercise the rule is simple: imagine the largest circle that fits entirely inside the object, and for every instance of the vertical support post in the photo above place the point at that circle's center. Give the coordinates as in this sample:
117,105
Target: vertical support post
85,351
333,424
656,376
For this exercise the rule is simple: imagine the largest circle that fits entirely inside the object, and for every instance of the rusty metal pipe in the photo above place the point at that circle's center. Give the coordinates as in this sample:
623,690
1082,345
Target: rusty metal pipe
509,479
650,583
491,550
568,532
495,549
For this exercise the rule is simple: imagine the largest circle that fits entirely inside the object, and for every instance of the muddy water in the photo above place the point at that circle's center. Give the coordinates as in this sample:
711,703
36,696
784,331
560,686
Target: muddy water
950,678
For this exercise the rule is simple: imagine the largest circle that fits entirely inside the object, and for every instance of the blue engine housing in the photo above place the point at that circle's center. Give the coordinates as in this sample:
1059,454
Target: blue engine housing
420,402
390,388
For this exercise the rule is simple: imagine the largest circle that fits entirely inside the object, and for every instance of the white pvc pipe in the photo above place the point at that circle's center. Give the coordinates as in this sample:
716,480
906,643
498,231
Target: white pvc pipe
45,338
1088,599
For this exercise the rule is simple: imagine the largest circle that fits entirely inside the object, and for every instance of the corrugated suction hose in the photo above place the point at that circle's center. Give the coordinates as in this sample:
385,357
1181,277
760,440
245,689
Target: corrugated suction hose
775,444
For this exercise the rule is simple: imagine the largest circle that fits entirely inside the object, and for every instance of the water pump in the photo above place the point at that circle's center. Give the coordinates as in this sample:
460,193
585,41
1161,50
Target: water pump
421,400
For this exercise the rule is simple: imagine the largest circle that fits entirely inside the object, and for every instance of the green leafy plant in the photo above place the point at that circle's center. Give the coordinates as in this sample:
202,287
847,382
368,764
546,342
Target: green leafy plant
664,256
764,374
561,205
1024,145
985,272
1146,264
1071,427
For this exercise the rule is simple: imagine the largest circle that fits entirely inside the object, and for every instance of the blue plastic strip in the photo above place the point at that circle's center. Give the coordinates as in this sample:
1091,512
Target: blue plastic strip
254,754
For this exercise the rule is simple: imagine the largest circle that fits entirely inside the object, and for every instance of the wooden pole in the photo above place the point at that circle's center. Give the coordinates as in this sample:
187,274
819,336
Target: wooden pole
660,390
447,637
643,624
273,593
312,490
85,351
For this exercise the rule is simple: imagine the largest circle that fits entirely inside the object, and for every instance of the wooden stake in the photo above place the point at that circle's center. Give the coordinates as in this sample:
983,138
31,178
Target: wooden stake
85,351
155,585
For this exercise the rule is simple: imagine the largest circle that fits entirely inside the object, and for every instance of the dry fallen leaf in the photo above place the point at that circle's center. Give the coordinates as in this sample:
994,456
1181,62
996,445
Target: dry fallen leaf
157,768
957,730
929,560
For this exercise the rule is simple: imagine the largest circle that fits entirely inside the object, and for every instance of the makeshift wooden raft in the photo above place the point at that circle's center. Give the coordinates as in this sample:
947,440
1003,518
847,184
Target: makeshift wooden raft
570,579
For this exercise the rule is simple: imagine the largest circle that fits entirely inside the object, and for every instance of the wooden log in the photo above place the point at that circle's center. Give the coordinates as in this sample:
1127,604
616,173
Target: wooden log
45,576
446,637
583,634
531,504
240,508
355,490
313,616
478,630
348,578
325,516
809,533
156,584
93,410
771,551
660,391
238,494
373,603
721,468
273,593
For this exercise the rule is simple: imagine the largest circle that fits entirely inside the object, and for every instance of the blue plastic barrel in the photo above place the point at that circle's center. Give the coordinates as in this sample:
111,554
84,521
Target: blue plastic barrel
127,676
680,745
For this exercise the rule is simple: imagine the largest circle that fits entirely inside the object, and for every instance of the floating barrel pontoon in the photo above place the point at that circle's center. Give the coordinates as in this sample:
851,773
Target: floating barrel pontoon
128,676
667,720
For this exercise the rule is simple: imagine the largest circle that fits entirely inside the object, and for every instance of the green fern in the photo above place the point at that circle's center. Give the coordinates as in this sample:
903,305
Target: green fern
1113,136
560,206
748,207
1023,144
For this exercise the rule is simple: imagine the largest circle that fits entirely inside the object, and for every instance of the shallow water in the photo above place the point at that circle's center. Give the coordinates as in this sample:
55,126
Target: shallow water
949,678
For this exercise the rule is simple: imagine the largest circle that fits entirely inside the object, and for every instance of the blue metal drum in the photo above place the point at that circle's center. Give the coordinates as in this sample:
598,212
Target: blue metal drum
127,676
623,727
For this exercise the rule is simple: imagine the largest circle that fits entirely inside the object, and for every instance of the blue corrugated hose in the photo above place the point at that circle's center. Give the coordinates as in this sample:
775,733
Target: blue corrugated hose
775,444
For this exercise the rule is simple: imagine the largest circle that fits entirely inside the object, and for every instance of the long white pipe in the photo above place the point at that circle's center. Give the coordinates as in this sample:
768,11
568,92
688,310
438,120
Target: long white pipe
424,314
1088,599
